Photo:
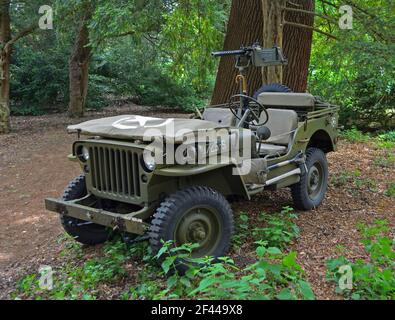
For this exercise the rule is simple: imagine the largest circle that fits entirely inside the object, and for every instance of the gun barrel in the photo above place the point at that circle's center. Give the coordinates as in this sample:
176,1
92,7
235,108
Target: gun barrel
229,53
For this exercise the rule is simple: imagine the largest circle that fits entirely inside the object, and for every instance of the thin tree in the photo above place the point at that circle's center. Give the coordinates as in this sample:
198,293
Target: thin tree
79,66
7,41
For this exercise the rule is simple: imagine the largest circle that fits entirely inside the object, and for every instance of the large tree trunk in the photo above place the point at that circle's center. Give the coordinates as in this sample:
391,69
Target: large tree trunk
297,45
244,28
79,70
5,60
262,20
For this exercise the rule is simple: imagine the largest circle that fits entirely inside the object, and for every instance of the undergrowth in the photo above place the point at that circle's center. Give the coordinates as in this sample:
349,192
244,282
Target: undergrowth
373,278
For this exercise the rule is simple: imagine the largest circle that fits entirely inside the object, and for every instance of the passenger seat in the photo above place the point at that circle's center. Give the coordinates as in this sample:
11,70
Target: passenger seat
282,124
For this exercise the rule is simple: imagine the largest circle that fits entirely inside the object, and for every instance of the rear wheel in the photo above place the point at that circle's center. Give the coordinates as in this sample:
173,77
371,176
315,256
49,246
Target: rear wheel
82,231
197,215
310,191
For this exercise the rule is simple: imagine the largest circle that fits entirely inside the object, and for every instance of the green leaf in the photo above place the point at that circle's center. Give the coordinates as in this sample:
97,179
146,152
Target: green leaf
260,251
167,264
306,290
285,294
274,251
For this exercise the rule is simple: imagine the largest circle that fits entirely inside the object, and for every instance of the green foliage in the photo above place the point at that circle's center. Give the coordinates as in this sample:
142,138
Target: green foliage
357,71
241,229
386,140
390,192
279,230
274,276
202,26
354,135
387,161
375,278
39,76
79,282
354,181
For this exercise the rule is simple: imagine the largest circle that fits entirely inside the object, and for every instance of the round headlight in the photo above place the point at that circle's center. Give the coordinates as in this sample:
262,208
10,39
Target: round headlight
83,154
149,163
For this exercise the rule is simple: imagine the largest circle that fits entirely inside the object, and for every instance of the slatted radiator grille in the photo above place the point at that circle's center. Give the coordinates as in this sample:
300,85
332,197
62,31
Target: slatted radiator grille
115,171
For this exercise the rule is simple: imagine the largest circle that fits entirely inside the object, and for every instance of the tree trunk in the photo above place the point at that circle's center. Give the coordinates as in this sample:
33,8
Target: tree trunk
244,28
297,45
79,70
5,60
262,20
273,20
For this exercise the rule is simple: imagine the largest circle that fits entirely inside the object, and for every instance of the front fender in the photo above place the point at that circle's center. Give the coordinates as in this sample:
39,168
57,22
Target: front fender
225,178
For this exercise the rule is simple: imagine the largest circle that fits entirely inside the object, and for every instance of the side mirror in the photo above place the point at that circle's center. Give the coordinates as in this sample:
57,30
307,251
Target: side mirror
263,133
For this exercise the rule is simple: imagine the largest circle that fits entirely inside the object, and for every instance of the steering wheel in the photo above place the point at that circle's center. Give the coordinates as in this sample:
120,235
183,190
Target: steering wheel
252,116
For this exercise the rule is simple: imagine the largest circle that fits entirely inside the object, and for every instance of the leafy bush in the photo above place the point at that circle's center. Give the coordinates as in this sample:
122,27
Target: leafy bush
387,161
79,282
241,229
136,71
280,229
354,181
375,278
274,276
390,192
354,135
39,78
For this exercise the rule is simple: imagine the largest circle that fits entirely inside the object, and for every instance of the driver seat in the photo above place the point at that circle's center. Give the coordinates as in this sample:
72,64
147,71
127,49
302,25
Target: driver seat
282,124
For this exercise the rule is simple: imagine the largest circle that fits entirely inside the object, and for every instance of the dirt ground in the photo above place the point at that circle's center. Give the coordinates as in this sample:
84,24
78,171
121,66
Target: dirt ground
33,166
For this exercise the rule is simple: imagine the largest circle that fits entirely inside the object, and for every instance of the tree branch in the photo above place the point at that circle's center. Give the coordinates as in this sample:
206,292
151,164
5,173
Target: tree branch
298,25
19,35
309,12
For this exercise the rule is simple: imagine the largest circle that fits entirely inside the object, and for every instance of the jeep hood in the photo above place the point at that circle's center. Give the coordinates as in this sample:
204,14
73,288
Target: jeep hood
128,127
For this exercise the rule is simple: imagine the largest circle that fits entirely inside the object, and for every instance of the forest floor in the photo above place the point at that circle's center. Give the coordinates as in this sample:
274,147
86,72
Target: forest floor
34,165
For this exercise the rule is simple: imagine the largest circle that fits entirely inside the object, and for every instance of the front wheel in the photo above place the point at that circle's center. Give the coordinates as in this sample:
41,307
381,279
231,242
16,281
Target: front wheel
310,191
197,215
84,232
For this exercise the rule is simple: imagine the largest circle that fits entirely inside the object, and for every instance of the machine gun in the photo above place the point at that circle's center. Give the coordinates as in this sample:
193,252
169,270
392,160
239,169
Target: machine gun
258,57
255,55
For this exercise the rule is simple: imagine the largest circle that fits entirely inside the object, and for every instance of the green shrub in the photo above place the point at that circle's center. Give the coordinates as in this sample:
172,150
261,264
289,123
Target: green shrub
354,135
390,192
372,279
79,282
275,275
387,161
280,229
241,229
354,181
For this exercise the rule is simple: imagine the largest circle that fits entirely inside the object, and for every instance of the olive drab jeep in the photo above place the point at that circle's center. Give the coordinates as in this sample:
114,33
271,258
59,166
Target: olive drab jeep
169,179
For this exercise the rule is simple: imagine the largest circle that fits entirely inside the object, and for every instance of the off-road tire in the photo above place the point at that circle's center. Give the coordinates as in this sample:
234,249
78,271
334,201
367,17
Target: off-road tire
91,234
273,87
300,191
176,207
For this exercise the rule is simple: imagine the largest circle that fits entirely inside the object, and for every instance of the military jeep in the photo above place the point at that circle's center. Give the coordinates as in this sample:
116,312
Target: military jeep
274,140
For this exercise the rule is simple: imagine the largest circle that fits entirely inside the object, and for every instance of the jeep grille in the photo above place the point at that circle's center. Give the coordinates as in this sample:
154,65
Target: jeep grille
115,171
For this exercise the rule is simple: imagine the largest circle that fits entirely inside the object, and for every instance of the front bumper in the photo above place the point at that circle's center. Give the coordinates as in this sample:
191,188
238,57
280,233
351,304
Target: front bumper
122,222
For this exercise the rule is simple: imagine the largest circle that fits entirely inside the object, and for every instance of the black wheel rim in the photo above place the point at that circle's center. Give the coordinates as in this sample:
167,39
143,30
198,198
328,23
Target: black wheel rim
315,181
200,225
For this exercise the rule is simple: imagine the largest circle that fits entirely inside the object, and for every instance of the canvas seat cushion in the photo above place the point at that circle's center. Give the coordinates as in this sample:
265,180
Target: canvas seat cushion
282,124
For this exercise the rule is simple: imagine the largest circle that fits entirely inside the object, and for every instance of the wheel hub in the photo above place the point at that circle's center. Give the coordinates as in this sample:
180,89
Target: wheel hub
198,232
315,180
199,226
